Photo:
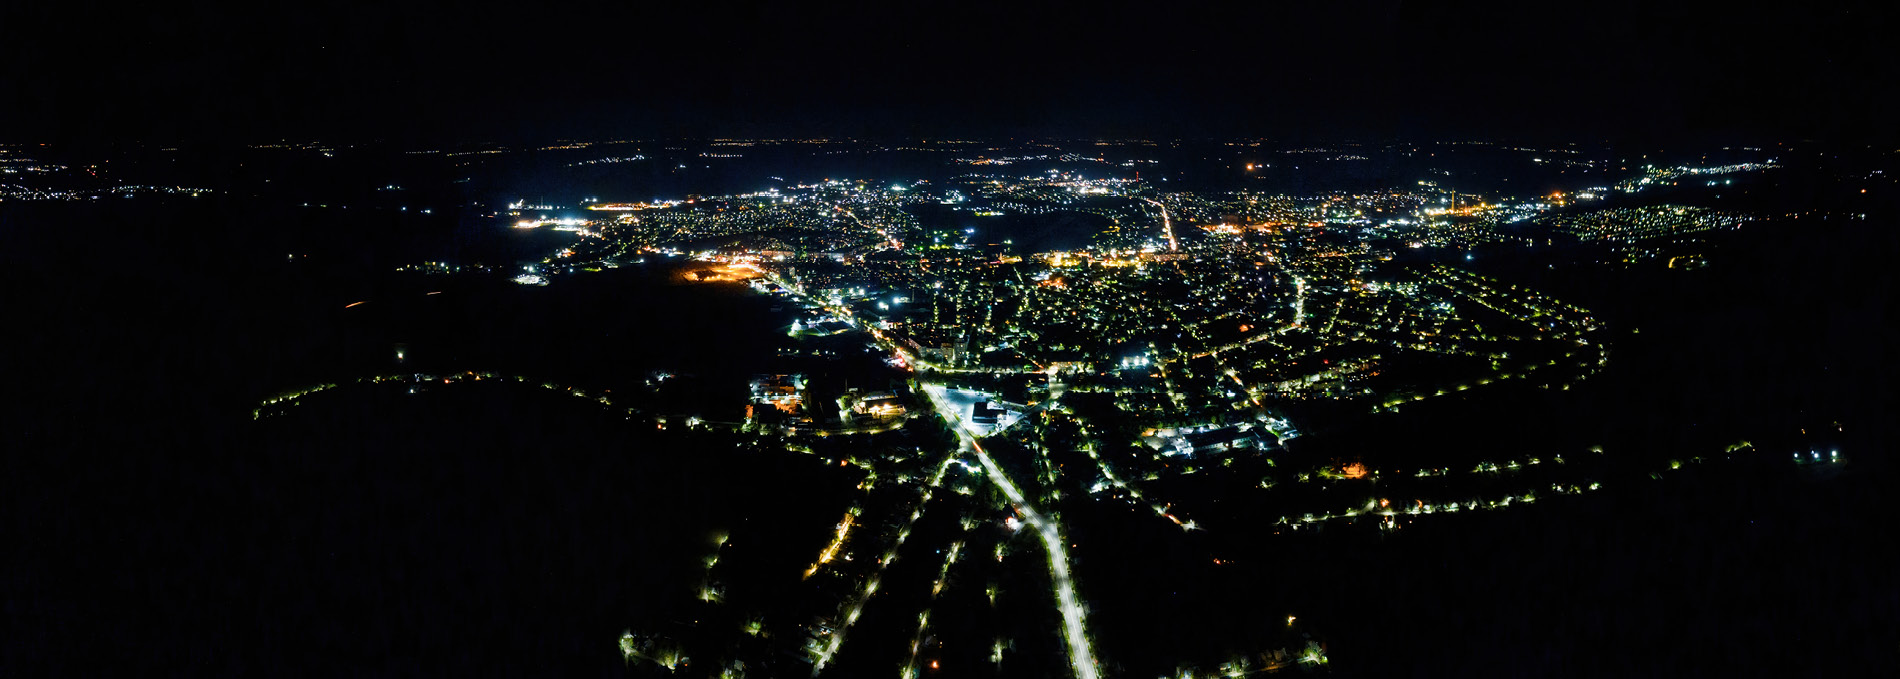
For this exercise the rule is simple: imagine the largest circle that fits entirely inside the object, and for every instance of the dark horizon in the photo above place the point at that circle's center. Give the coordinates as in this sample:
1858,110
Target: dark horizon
430,74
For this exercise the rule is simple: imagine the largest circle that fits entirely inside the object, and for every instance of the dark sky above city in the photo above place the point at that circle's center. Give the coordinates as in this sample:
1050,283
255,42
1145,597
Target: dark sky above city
483,70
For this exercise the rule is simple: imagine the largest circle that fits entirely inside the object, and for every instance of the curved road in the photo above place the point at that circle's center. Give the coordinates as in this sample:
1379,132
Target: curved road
1167,225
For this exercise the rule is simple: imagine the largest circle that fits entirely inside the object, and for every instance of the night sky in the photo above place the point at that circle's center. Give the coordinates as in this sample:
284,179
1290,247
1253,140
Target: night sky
482,70
156,518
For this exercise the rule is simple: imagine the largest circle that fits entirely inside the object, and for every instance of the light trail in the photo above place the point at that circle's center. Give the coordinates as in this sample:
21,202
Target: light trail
831,550
895,245
1075,632
1167,225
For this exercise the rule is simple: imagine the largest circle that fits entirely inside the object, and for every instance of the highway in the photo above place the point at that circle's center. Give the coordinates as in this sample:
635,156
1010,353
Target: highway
1167,225
1075,633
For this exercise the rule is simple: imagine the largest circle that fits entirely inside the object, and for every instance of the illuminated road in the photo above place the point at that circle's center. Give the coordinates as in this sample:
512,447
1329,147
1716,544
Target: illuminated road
1074,631
845,313
888,239
1167,225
